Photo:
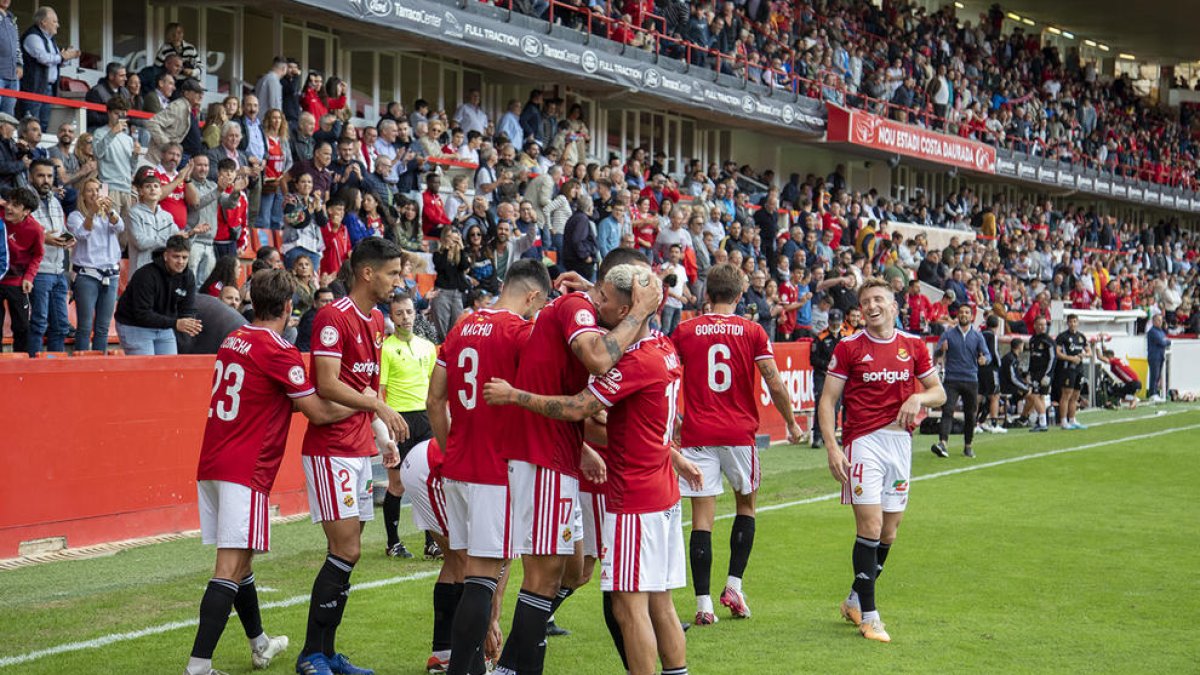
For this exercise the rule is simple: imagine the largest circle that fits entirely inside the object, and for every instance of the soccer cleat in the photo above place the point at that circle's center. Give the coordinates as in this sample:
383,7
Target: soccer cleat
705,619
985,427
275,646
939,449
341,665
1078,426
736,602
1039,428
435,665
313,664
433,551
999,429
554,630
873,630
397,550
968,452
851,613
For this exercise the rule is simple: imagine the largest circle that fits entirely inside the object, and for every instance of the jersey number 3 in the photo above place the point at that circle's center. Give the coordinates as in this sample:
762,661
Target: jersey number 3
468,361
227,403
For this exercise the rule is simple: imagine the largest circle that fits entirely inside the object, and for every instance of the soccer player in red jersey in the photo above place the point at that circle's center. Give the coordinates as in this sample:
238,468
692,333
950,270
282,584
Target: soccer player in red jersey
259,379
346,339
723,356
489,343
642,529
544,454
877,370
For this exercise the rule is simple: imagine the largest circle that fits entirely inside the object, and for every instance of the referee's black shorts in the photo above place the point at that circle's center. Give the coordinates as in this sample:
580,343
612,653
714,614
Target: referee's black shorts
418,431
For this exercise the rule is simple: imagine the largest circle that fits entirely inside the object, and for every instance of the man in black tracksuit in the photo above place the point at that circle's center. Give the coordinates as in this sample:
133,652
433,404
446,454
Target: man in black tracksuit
1042,355
822,352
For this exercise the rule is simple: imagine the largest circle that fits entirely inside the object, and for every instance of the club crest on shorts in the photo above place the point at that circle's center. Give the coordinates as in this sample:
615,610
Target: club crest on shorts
296,375
857,490
329,336
566,535
348,500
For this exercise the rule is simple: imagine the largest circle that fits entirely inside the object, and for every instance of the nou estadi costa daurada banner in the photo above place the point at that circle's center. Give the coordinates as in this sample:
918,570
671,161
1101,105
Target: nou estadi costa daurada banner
483,26
872,131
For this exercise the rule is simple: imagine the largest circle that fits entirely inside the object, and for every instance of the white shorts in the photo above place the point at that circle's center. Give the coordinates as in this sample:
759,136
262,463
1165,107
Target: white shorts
643,552
543,502
233,515
479,518
339,488
880,468
738,463
592,510
424,492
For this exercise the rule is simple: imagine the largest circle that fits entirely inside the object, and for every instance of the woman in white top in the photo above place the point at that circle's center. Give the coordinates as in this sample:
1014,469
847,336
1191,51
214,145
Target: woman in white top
96,261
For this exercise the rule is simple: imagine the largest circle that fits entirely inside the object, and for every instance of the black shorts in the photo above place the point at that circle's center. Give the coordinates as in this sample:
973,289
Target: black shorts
1036,387
1069,378
989,381
418,431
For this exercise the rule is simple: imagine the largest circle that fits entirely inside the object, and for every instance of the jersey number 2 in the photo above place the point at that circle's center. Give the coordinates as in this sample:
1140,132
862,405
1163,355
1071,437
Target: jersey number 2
232,376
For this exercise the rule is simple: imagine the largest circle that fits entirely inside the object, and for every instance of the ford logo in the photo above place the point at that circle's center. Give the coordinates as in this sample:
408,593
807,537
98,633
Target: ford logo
378,7
590,62
531,46
748,104
652,79
789,114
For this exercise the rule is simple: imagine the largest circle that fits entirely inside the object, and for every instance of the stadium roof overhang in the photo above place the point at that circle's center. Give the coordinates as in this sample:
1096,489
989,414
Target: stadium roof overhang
1158,31
514,46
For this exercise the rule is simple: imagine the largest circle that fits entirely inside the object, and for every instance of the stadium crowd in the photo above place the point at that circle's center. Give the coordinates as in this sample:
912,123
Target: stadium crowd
932,69
284,177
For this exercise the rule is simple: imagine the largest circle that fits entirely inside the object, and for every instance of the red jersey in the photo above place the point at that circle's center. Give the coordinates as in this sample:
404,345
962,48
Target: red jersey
435,458
229,219
787,295
172,202
918,312
641,392
337,248
273,166
1081,299
342,331
549,367
880,375
1122,370
484,345
719,353
256,377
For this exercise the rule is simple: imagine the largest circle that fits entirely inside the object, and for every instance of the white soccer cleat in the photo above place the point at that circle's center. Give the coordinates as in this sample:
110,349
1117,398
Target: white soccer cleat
275,646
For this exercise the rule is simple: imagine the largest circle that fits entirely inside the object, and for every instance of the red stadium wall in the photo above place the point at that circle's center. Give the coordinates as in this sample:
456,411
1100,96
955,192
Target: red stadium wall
101,449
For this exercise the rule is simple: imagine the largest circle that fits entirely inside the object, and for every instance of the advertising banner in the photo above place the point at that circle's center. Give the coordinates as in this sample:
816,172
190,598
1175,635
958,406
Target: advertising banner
872,131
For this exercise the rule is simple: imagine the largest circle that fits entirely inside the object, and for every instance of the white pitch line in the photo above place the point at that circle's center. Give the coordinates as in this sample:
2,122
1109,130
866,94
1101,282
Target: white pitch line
113,638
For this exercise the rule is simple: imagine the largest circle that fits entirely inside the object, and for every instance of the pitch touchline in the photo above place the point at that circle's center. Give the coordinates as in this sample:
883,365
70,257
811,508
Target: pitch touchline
113,638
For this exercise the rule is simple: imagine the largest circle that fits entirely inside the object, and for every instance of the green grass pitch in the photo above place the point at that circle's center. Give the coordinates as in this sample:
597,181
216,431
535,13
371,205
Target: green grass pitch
1080,559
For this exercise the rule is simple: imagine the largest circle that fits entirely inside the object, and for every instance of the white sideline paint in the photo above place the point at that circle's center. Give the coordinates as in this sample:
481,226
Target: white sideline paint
113,638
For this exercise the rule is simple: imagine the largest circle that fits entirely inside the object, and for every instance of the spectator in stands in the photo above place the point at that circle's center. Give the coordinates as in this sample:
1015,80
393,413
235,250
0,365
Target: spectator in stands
303,141
348,170
433,211
230,148
510,126
204,197
149,225
232,213
48,301
115,149
253,144
69,171
450,264
157,100
277,162
608,231
159,300
14,159
10,56
323,296
469,116
578,251
26,248
41,59
1157,344
318,170
172,179
335,236
96,261
269,88
179,122
290,85
174,44
112,85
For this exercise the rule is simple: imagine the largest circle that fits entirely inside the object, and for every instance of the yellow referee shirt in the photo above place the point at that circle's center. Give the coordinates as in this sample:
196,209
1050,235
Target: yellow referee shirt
405,369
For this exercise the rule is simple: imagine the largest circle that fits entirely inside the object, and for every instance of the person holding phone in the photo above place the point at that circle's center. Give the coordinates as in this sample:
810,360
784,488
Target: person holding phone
96,261
114,150
48,301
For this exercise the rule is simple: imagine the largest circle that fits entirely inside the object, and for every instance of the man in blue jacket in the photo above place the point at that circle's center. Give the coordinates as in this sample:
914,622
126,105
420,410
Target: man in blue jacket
962,350
1157,343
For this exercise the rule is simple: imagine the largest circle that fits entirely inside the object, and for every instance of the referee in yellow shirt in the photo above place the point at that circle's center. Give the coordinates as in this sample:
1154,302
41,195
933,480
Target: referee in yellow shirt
406,364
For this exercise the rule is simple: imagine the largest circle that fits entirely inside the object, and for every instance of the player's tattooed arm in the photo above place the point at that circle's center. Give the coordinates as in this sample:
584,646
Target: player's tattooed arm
599,353
571,408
